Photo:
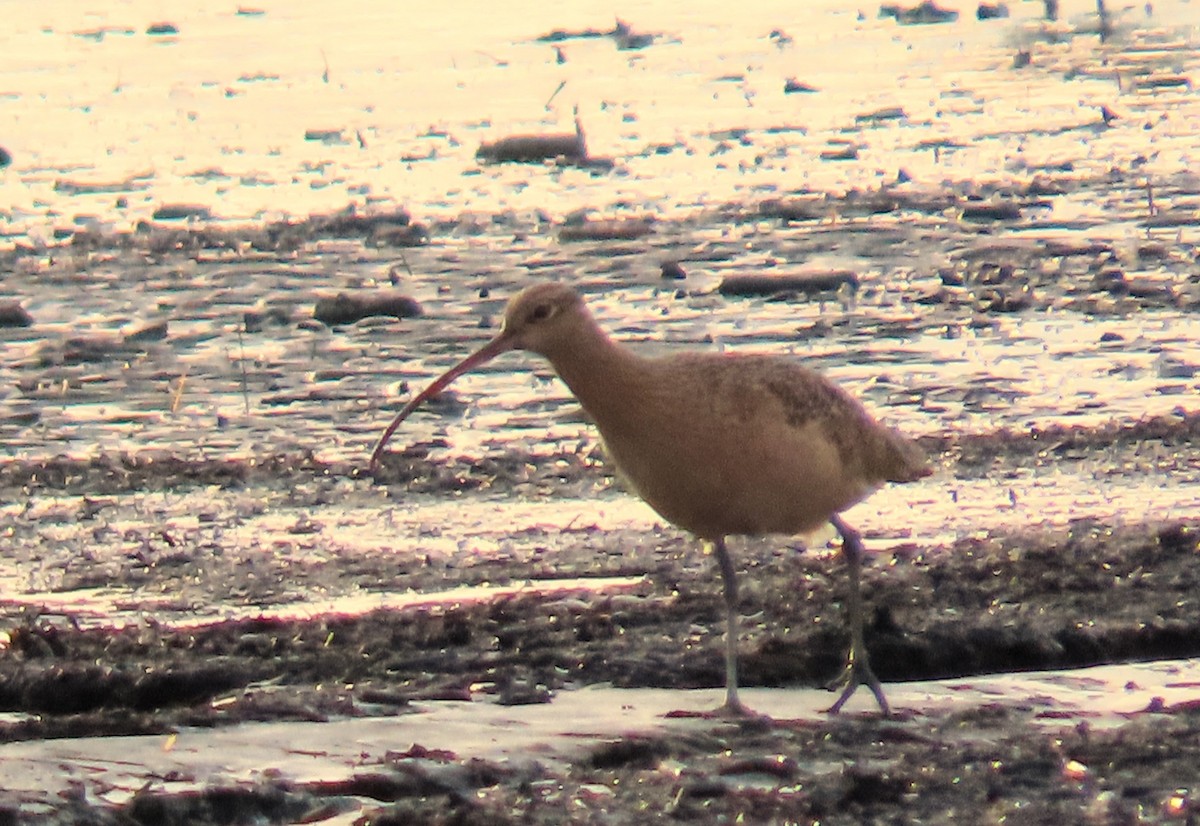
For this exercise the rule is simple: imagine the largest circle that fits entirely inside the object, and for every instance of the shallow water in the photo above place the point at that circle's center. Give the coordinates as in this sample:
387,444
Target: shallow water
216,114
926,370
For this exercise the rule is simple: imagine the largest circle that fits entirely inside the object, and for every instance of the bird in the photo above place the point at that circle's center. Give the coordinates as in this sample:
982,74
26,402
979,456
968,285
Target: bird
718,444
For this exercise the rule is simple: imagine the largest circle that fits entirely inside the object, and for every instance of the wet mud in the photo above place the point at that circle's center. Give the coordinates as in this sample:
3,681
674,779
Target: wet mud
1082,595
1103,586
188,404
157,518
1092,591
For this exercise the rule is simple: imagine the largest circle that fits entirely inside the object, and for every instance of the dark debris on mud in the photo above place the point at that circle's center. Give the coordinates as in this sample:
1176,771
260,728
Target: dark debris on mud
875,771
384,228
1091,593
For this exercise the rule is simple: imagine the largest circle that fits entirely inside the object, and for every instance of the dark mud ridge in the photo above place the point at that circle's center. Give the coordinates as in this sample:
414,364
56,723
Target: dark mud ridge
1091,595
415,469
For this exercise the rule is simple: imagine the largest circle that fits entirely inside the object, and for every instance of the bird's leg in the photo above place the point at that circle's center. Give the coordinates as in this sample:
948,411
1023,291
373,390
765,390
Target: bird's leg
858,667
733,705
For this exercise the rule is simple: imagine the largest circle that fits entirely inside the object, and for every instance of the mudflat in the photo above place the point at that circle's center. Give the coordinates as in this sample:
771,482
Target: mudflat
217,567
212,612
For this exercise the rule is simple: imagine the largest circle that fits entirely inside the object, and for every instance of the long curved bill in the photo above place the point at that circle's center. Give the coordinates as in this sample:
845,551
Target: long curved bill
500,344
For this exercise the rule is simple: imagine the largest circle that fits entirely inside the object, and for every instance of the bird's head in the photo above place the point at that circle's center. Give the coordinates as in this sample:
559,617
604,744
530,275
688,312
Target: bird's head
541,318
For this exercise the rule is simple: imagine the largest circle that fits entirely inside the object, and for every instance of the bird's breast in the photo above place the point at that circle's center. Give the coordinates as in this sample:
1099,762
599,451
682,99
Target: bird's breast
717,458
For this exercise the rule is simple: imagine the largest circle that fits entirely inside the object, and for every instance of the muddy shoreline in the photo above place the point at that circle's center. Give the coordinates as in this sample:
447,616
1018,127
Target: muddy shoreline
1083,595
186,440
1048,597
984,230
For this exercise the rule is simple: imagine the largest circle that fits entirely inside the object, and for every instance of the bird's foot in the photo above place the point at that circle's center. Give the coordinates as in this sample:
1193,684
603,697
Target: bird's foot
858,672
731,709
734,709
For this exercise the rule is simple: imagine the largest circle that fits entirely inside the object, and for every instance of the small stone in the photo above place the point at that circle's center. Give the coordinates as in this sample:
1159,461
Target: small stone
673,270
154,331
13,314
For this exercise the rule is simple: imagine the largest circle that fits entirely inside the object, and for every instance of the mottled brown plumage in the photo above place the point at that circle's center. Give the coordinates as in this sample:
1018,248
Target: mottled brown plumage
719,445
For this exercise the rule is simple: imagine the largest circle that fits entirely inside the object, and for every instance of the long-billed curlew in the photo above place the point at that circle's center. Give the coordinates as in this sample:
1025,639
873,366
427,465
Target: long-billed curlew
719,445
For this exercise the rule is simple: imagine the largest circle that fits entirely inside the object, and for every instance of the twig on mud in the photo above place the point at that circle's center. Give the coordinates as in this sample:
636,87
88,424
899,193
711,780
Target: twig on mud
404,261
556,91
177,396
242,365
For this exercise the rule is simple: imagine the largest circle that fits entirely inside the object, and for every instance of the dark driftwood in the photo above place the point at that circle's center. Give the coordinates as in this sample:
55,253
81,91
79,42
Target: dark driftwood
991,212
347,309
796,209
814,281
535,148
621,229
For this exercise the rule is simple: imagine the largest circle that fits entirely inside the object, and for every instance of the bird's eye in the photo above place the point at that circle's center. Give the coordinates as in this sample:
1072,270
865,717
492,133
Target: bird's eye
539,313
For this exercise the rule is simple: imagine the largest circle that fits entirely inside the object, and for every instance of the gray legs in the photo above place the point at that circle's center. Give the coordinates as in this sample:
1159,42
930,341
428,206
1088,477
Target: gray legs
732,704
858,668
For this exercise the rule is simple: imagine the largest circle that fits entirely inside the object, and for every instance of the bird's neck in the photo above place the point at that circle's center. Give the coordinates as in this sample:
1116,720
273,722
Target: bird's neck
603,374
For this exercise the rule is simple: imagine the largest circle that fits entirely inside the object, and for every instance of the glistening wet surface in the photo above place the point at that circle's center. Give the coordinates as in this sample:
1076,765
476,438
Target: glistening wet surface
191,539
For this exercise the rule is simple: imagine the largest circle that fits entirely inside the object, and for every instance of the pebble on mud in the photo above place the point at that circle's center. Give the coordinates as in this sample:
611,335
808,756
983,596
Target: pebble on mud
324,135
673,270
150,331
998,211
399,235
925,13
991,11
846,152
792,86
181,212
794,209
880,115
255,321
87,350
